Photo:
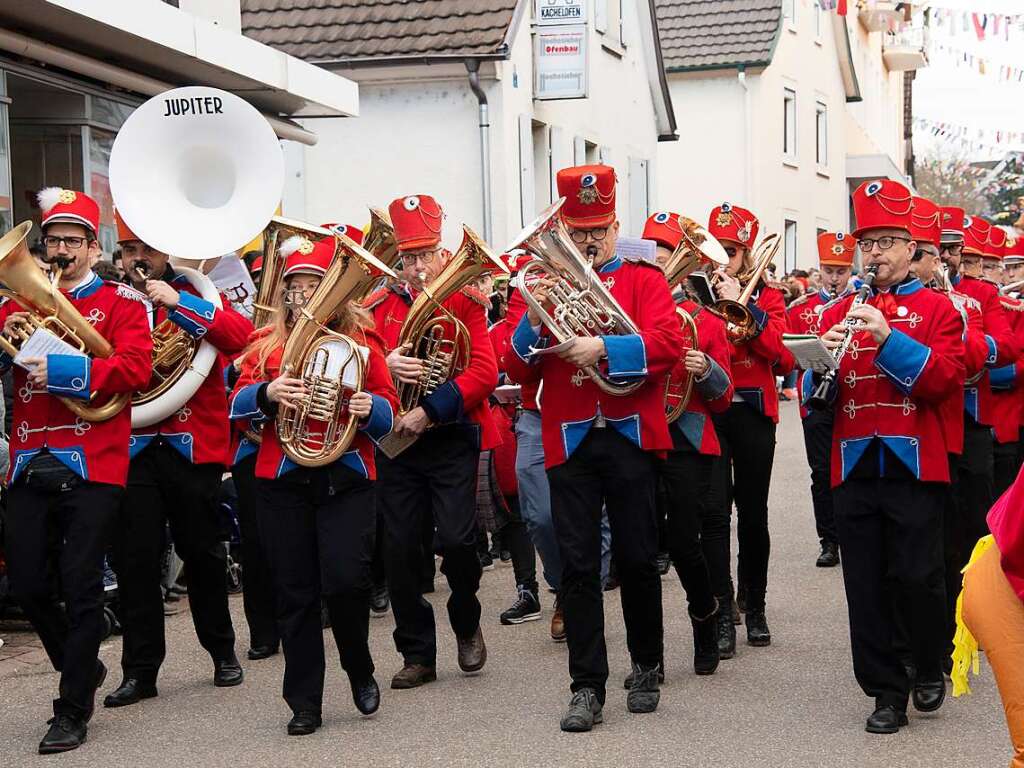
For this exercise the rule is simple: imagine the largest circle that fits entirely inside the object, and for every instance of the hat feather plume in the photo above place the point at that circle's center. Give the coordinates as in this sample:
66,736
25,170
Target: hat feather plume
48,198
291,245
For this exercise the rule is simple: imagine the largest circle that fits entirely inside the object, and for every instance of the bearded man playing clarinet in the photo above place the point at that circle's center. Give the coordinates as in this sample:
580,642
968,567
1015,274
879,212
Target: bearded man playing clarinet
903,359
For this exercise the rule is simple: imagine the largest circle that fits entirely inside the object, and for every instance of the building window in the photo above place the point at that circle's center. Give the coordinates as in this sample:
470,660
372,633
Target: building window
790,254
819,19
821,134
608,21
541,140
789,12
789,124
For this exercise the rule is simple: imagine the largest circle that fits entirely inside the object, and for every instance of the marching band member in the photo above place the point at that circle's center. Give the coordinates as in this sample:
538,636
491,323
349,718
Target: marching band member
685,476
835,255
67,475
889,465
992,256
318,524
601,450
175,477
746,431
1013,271
435,477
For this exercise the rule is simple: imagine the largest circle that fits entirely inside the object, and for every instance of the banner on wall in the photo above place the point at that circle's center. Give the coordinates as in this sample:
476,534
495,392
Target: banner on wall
560,63
557,12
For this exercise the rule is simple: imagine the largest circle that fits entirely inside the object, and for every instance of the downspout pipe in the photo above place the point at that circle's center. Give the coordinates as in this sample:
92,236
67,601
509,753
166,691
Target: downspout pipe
473,68
741,77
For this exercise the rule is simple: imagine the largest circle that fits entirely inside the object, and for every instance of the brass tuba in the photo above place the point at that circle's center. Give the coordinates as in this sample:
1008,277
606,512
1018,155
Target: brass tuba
380,241
330,364
581,304
434,334
274,234
49,309
739,321
695,245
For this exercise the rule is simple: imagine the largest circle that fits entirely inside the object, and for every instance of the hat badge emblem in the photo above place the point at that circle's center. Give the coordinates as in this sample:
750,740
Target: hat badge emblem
873,188
726,207
1011,242
340,229
724,219
968,221
67,196
305,247
411,203
661,218
840,236
837,249
587,194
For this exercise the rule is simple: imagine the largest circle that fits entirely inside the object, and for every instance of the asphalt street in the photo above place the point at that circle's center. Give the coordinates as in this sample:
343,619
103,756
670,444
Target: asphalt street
793,704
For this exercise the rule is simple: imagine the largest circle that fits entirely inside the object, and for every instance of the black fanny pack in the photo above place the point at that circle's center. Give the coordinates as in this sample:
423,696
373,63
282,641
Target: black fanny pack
46,473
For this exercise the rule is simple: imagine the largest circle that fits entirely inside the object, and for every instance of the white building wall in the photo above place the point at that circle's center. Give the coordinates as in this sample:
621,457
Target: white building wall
875,124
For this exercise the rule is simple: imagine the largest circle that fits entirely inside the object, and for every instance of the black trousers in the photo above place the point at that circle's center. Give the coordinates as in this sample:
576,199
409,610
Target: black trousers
891,534
1005,465
818,444
607,471
163,486
434,480
685,478
258,585
81,521
319,530
516,539
742,474
974,484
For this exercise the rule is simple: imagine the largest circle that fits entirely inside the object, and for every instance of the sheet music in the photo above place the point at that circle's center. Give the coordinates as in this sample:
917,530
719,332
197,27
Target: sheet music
42,343
810,353
636,249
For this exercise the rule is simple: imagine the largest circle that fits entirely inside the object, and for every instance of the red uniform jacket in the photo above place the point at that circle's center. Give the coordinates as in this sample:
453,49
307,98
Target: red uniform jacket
570,401
199,430
756,362
96,451
248,402
1005,382
464,398
802,316
975,352
711,394
894,393
516,309
1003,347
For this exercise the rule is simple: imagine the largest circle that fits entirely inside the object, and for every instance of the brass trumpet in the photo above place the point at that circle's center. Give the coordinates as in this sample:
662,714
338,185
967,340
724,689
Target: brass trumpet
739,321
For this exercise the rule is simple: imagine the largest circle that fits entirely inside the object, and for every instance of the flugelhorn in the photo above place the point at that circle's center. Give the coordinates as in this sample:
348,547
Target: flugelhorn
739,321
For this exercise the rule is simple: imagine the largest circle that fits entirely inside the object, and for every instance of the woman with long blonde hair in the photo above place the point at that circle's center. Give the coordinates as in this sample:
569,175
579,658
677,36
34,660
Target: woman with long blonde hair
318,523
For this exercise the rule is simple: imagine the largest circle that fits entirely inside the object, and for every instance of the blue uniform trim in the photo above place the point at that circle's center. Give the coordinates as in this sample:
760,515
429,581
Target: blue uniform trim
627,356
907,449
715,381
524,340
851,451
1004,377
906,288
628,427
692,426
610,266
21,460
971,402
354,461
68,375
285,466
246,447
752,397
993,351
244,404
381,419
182,442
73,458
138,443
87,289
573,433
6,361
444,404
188,305
760,316
807,386
902,359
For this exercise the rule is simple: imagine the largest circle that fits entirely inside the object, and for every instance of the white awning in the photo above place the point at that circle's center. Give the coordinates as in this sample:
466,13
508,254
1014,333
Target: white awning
861,168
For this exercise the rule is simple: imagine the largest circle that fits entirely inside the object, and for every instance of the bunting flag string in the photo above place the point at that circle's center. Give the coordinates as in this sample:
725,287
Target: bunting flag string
1001,71
970,138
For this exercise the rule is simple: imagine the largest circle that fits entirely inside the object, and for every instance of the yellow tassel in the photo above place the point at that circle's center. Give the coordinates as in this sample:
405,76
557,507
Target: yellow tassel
965,647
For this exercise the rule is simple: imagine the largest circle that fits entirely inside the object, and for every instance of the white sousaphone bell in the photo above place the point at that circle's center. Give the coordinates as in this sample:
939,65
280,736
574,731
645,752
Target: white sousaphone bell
196,173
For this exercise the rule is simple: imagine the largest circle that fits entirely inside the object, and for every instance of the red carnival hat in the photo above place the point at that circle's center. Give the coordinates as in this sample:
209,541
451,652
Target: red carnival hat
124,232
350,231
952,224
69,207
417,221
926,221
302,256
975,235
589,192
257,265
836,249
1014,250
996,243
882,203
735,224
664,228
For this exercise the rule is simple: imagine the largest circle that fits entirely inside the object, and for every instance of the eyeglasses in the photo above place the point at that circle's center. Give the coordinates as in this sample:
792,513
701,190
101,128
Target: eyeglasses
953,250
730,251
580,236
426,257
73,243
867,245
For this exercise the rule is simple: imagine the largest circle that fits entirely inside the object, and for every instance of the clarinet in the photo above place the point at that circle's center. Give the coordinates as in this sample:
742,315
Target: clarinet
825,393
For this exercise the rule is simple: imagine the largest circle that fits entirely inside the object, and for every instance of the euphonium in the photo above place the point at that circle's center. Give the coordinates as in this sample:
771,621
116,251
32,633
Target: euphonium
695,244
581,305
49,309
739,321
380,241
330,364
274,234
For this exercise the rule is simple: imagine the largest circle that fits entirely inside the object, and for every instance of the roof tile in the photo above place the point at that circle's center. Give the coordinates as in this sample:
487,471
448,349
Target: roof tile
717,33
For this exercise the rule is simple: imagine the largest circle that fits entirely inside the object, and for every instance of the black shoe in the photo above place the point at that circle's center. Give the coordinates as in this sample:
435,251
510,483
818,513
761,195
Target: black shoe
645,693
758,633
705,643
505,556
380,599
829,557
486,561
304,723
131,691
227,672
928,696
583,713
66,732
664,563
726,628
886,719
258,652
628,682
366,695
525,608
